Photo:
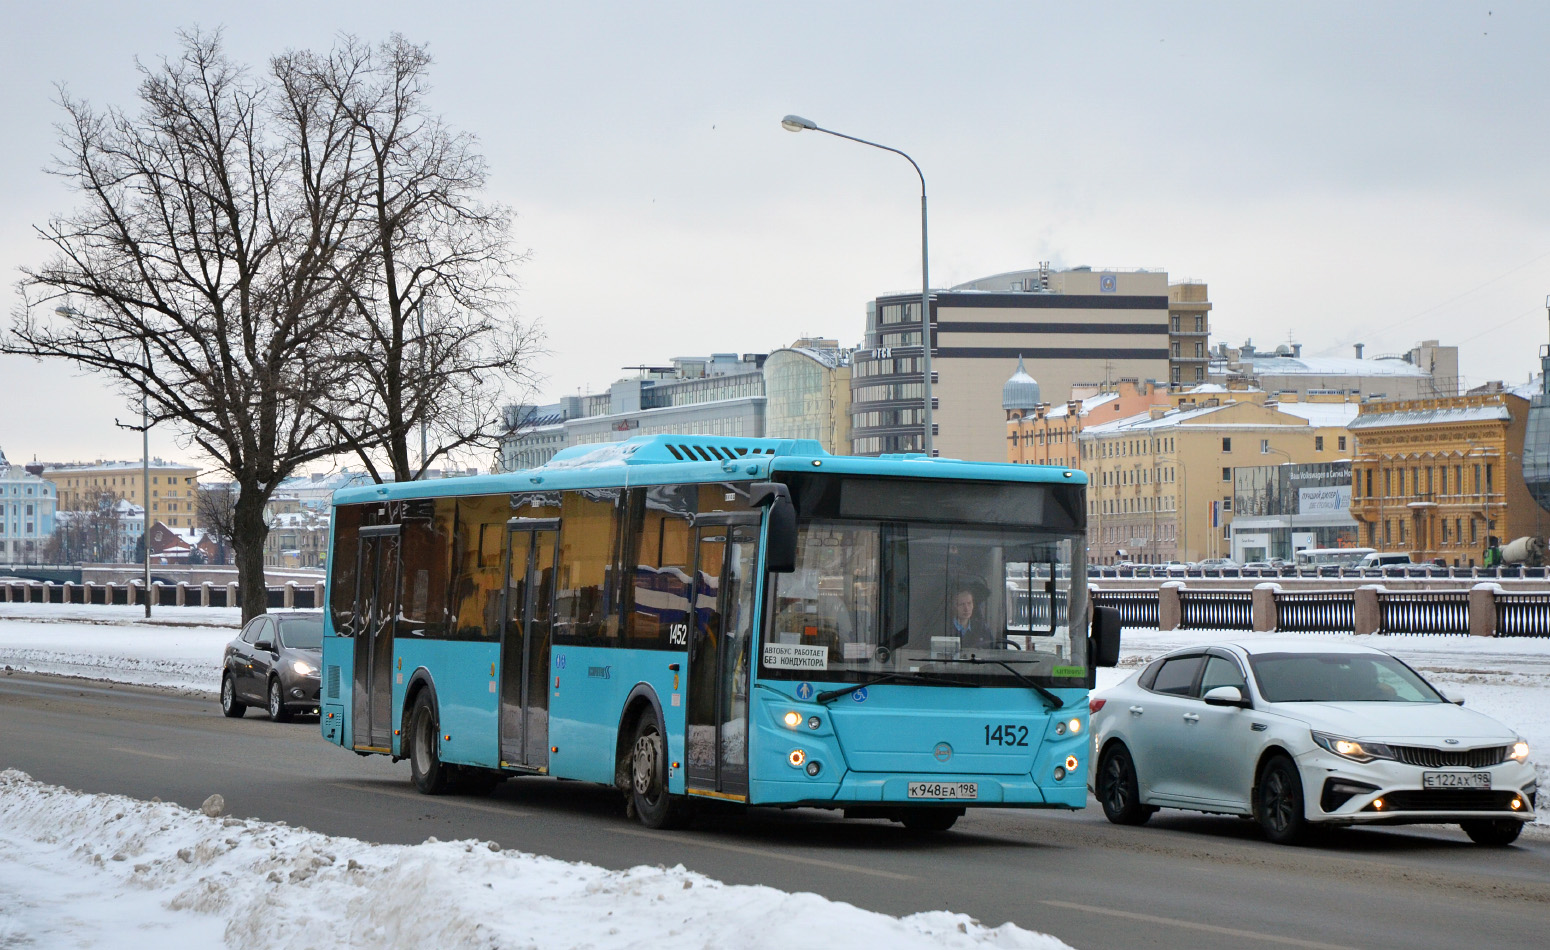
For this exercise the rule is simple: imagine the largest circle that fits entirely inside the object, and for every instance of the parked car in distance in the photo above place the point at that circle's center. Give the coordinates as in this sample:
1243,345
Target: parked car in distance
274,663
1217,563
1297,733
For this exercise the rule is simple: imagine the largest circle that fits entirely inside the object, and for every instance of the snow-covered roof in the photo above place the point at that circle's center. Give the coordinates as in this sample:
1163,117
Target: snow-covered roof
1329,366
1420,417
1322,413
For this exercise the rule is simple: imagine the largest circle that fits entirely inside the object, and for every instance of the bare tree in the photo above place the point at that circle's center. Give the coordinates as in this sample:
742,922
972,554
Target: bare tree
207,269
217,511
438,347
89,533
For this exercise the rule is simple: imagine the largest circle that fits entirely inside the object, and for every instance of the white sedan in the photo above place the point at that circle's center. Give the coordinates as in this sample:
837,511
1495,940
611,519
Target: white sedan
1293,733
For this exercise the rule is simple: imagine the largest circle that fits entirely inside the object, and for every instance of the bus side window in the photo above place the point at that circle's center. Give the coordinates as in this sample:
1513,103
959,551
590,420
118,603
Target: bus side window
427,553
342,569
662,566
479,539
587,544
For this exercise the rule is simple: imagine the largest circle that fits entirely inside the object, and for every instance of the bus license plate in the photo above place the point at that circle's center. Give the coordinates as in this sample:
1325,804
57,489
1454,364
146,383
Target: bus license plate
944,790
1455,779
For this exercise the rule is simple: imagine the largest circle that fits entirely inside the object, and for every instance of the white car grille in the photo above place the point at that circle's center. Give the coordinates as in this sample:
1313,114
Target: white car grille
1451,758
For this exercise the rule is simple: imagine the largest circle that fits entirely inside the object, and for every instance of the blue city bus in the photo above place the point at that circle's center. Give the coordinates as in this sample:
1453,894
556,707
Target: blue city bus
744,620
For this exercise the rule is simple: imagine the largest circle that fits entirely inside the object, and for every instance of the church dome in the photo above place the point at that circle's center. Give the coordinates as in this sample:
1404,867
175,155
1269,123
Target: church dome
1021,391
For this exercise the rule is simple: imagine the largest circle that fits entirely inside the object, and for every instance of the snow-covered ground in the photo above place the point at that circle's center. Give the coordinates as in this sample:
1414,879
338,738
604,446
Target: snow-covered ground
80,870
179,647
1508,679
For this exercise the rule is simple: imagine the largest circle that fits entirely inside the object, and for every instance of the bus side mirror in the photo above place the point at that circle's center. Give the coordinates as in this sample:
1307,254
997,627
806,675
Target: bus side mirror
780,541
1103,647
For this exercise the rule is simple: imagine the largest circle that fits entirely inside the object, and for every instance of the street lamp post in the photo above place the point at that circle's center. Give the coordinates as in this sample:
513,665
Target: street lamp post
145,457
795,123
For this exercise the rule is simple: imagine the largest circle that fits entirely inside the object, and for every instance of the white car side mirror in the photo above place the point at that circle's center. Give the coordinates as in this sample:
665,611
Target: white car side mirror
1452,697
1225,696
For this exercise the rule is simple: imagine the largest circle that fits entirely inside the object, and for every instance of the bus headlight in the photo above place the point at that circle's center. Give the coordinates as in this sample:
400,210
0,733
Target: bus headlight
793,719
1076,726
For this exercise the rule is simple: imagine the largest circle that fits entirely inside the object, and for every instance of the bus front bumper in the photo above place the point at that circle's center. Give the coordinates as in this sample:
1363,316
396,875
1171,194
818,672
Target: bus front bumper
872,788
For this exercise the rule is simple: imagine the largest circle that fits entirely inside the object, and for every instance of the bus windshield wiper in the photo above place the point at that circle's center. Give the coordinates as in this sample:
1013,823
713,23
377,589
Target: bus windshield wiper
1050,699
830,695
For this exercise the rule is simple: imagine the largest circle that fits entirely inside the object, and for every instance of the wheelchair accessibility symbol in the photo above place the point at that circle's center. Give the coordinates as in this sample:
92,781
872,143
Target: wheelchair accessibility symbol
859,695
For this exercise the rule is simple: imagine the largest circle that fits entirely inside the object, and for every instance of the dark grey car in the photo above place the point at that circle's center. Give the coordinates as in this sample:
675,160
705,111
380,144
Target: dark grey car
274,664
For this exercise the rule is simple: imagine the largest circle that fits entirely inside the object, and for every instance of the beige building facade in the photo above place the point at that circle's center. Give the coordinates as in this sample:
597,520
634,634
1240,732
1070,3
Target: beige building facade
174,489
1437,478
1048,434
1160,484
1068,328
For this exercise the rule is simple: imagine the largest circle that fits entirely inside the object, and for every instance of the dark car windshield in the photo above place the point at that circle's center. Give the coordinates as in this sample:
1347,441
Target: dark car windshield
1339,678
302,633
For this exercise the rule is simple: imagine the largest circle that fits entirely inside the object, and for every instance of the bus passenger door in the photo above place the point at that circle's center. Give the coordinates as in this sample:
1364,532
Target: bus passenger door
716,719
529,599
376,607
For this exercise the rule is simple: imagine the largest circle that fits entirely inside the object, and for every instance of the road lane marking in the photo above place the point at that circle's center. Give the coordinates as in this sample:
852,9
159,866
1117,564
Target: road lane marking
427,799
760,852
154,755
1191,925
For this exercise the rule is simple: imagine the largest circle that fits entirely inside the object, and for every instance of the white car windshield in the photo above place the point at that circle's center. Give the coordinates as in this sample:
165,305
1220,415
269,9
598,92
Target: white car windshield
1339,678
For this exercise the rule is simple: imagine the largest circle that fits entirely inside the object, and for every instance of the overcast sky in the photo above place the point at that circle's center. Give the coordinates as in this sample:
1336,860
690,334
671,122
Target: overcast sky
1335,173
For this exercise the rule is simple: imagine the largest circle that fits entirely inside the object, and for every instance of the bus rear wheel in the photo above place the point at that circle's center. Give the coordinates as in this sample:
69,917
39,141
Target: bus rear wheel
430,776
654,805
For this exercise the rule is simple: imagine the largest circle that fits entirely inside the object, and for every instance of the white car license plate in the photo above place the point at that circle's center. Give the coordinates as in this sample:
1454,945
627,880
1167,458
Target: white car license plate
1455,779
944,790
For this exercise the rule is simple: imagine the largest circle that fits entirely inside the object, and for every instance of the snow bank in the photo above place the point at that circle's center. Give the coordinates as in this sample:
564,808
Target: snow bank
108,871
179,647
1506,678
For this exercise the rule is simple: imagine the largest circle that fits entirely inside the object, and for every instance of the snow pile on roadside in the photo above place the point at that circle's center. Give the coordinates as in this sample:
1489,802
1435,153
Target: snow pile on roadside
105,870
180,647
1506,678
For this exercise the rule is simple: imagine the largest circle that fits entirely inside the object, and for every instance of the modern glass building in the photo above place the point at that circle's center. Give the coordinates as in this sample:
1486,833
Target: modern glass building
807,394
1281,509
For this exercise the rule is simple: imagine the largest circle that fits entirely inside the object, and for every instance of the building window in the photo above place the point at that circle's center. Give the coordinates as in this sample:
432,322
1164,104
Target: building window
1488,489
1388,533
1200,324
1226,474
1264,446
1226,445
1200,374
1227,503
1340,443
1318,443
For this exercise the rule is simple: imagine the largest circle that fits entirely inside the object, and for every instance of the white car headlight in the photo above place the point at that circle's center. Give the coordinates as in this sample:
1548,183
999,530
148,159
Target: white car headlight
1351,749
303,667
1519,751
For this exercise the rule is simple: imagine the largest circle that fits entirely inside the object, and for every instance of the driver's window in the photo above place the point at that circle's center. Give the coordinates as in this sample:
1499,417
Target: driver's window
1222,672
251,634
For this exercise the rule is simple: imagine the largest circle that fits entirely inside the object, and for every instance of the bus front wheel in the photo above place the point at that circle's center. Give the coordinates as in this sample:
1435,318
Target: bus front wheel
431,777
654,805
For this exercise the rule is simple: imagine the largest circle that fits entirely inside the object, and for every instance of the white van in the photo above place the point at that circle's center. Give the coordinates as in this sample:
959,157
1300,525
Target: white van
1379,559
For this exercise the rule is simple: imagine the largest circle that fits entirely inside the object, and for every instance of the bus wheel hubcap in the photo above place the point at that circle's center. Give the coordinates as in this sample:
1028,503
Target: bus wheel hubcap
646,765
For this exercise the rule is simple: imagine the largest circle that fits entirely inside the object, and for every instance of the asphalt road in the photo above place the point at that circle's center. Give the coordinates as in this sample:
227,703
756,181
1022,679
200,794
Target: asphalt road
1180,881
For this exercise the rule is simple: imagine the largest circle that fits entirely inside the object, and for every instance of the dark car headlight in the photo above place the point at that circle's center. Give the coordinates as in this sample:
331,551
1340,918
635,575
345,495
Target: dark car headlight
303,668
1352,749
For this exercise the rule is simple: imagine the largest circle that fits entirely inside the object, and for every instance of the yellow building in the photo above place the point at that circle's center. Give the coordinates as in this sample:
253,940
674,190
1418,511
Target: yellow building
174,491
1160,484
1047,435
1438,477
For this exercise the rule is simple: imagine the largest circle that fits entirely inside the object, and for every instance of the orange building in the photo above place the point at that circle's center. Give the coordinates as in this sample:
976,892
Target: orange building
1038,433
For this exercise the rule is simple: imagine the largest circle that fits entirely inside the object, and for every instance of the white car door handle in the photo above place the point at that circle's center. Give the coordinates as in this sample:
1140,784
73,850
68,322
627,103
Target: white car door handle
1136,710
1191,717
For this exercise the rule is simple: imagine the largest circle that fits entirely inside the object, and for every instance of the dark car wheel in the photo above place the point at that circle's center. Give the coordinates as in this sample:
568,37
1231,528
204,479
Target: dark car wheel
277,710
230,705
654,805
430,776
1118,791
1279,807
1494,832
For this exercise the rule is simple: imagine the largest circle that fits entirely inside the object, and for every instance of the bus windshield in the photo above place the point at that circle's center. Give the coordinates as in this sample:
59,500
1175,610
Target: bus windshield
871,598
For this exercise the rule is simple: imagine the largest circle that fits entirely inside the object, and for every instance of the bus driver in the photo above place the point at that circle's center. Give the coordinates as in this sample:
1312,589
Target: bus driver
966,624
